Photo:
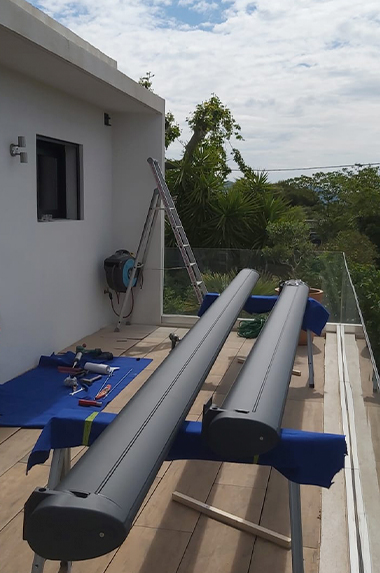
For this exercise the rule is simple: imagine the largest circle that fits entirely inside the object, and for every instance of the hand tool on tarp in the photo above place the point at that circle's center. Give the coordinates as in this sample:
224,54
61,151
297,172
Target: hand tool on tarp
94,352
85,402
106,389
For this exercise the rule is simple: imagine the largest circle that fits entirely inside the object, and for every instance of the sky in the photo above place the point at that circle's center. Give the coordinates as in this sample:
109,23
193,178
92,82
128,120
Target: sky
301,77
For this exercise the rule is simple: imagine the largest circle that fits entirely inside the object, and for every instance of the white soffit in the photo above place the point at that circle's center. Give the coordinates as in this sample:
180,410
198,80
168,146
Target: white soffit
35,45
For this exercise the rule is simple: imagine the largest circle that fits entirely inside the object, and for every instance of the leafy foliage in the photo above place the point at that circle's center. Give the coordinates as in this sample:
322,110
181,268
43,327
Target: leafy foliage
358,247
289,243
172,130
213,121
366,279
146,81
231,219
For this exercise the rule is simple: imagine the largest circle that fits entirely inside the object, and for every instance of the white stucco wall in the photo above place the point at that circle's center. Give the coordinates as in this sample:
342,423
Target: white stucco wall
137,137
51,274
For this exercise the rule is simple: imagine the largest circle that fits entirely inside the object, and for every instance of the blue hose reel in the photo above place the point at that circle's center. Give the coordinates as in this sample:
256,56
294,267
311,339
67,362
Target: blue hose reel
118,268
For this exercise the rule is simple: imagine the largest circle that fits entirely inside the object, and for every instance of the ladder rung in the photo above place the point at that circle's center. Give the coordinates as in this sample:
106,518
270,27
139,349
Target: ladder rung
193,264
186,245
199,283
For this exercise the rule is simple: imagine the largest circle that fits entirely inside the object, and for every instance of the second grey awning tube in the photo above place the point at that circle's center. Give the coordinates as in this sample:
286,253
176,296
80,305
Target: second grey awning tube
249,421
91,511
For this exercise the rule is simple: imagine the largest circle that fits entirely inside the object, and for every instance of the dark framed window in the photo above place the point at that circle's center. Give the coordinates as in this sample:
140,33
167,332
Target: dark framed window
58,179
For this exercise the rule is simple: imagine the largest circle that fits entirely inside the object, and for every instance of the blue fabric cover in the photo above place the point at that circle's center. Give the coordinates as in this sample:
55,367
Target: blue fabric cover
302,457
30,400
314,319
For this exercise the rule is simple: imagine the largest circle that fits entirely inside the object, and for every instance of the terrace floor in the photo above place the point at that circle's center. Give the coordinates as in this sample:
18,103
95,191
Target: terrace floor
170,538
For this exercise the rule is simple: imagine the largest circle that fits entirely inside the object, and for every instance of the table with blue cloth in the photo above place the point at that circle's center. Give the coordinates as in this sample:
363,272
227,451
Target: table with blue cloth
302,457
314,319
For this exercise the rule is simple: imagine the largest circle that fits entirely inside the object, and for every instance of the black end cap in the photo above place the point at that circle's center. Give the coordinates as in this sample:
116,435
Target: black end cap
73,526
237,435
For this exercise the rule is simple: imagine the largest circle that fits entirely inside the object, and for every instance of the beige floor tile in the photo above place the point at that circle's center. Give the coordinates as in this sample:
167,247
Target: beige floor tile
243,475
16,447
16,487
193,478
217,548
230,376
149,550
16,555
270,558
201,399
132,331
6,433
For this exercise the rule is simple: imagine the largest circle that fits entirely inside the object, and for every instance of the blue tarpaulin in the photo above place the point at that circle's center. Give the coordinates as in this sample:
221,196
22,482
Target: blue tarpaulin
302,457
314,319
30,400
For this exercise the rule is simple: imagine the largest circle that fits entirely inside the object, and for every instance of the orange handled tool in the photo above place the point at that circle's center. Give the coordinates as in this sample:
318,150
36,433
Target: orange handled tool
103,392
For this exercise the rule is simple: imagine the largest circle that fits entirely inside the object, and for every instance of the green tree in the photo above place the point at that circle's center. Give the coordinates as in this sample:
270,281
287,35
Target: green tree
211,214
172,129
357,247
339,200
366,279
211,121
289,244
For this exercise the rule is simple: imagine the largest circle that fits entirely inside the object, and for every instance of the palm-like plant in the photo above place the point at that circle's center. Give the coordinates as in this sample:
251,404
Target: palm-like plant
270,208
229,225
195,186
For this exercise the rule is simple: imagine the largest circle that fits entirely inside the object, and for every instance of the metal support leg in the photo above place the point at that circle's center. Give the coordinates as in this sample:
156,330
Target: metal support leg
296,527
60,466
310,358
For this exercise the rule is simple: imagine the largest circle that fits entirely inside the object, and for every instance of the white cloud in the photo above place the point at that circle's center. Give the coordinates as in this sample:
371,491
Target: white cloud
300,76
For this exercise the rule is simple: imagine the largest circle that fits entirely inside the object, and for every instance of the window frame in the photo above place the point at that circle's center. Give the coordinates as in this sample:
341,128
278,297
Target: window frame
56,149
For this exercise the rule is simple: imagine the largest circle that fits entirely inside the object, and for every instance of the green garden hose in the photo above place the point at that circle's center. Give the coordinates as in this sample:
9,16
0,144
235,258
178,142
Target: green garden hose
251,328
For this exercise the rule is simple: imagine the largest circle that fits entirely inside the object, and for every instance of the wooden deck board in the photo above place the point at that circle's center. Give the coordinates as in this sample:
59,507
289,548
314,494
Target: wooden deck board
193,478
15,448
16,555
6,433
149,550
218,548
15,488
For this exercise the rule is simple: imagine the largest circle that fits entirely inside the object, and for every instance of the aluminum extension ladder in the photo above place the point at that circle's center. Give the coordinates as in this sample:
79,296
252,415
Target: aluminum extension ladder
162,193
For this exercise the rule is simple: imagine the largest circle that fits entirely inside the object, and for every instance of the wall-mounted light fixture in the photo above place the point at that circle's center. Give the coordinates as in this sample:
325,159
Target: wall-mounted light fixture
15,149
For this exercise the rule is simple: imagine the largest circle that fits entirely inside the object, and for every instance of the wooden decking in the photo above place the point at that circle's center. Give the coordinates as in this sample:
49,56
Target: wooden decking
167,537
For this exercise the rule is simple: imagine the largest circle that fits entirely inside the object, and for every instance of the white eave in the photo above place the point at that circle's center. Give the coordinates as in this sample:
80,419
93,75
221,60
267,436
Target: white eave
37,46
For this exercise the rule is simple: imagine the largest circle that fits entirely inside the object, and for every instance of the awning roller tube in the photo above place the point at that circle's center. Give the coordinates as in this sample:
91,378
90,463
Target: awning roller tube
249,421
91,511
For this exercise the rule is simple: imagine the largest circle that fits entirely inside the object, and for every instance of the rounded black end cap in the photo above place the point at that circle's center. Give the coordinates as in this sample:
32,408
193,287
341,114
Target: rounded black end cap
68,527
236,435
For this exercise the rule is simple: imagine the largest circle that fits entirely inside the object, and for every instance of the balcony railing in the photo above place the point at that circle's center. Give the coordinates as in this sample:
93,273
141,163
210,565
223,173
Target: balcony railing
326,270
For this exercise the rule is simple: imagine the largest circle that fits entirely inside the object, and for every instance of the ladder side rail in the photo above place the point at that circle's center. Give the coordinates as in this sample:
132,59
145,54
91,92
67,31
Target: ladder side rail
191,265
180,235
149,223
156,207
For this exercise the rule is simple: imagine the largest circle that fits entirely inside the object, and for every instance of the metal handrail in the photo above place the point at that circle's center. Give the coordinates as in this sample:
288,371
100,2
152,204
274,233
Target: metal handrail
375,376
